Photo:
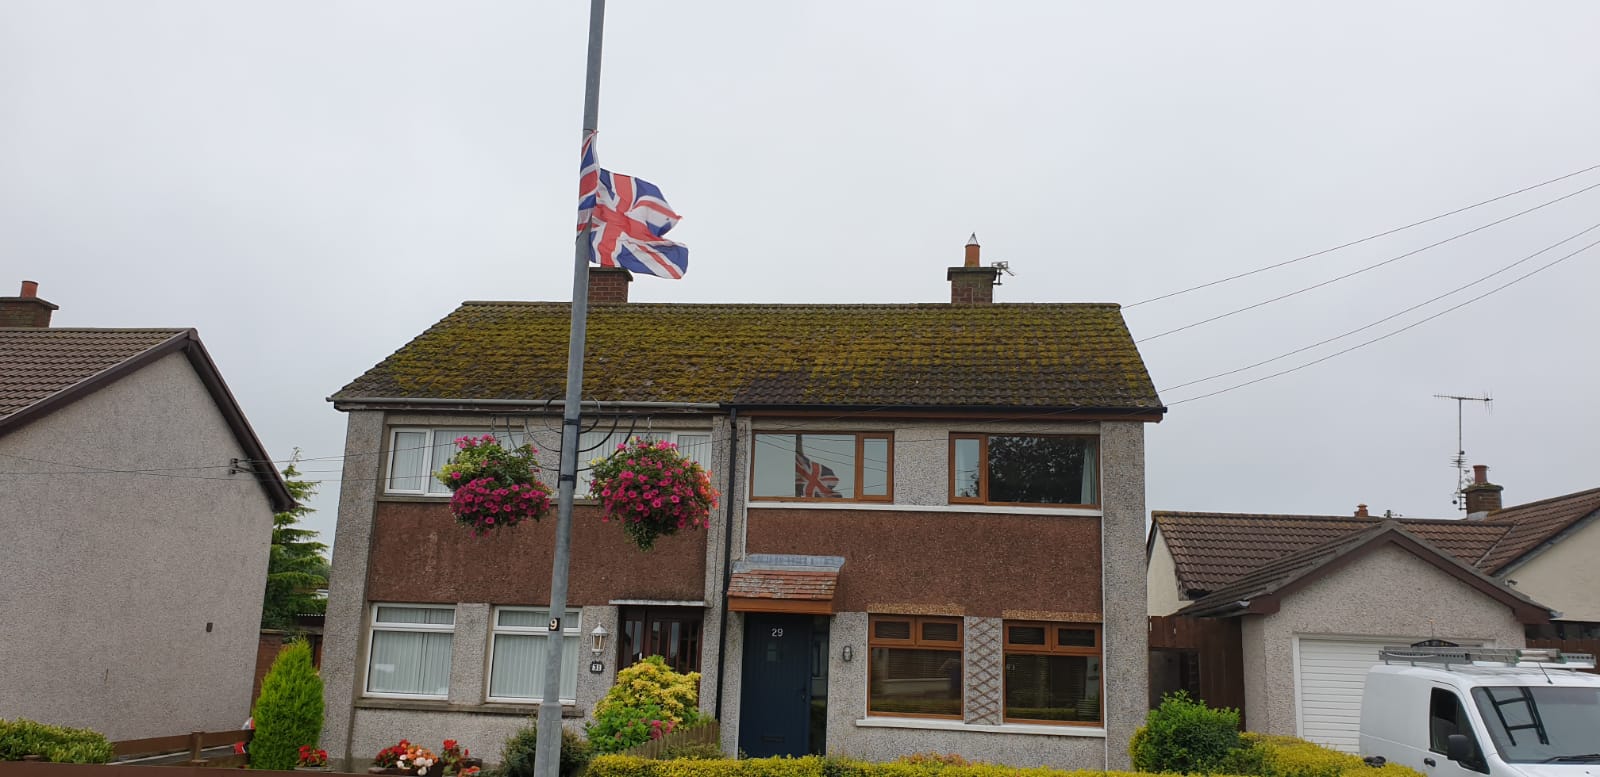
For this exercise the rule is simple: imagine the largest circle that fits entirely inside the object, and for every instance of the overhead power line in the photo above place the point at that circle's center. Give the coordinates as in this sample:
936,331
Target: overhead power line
1391,316
1386,336
1353,273
1366,239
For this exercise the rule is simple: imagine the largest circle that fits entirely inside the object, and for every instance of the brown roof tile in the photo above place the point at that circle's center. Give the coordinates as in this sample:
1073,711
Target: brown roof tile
36,363
1057,356
1211,550
1530,525
783,584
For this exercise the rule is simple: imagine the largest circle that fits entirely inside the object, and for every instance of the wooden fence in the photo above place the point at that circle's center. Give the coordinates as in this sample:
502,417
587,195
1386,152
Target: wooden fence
1590,646
707,733
1207,654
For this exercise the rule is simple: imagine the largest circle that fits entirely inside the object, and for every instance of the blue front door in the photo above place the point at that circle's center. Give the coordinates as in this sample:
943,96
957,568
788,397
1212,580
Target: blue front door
775,700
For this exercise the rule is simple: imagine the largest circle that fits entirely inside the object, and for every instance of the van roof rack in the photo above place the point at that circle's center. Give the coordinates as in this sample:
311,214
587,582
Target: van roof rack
1476,656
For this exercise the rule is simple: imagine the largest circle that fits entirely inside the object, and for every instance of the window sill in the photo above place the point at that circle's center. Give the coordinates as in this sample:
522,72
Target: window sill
440,705
1031,729
971,509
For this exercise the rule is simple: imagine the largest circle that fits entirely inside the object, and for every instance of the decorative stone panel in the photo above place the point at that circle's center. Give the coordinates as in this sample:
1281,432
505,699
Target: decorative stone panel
985,662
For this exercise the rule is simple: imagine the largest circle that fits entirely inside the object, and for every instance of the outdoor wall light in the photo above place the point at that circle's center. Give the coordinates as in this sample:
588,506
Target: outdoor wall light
849,653
599,634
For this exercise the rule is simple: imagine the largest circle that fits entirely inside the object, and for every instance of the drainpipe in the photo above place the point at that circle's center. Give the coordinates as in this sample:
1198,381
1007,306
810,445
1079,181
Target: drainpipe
727,553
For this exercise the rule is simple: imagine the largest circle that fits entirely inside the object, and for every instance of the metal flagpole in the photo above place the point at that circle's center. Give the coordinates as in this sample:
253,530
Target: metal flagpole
547,757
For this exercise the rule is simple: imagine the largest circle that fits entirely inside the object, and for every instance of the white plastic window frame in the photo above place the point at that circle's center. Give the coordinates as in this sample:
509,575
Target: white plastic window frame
572,628
429,466
373,627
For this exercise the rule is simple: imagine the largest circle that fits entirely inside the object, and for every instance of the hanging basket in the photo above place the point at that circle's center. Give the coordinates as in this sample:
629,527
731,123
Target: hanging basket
652,490
493,487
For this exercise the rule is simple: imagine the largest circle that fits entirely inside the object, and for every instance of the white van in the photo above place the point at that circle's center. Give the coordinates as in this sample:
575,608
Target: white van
1461,712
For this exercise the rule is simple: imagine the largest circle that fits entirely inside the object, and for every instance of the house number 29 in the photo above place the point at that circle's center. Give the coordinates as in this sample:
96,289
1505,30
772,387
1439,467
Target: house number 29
777,632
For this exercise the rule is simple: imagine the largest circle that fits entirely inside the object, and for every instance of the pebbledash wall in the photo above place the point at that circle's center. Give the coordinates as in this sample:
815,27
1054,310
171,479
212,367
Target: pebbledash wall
82,647
1094,560
408,550
1386,594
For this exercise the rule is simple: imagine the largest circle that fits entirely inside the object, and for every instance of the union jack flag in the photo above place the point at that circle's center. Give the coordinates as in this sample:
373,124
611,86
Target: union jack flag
812,479
627,218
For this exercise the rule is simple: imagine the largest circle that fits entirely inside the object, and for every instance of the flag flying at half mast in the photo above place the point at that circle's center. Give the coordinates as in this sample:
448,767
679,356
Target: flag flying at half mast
627,218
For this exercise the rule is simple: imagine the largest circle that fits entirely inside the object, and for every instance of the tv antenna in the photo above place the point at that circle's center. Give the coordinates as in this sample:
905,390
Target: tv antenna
1460,459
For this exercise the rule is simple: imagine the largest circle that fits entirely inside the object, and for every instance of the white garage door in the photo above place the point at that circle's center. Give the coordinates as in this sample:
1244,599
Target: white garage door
1328,687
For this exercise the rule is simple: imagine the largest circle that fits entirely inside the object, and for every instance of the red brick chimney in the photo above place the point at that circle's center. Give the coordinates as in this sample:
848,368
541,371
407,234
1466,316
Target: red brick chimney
971,284
1482,496
26,309
1361,511
608,285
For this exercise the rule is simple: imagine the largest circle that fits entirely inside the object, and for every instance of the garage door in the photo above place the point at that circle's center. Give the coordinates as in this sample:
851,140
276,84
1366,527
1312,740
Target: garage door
1328,688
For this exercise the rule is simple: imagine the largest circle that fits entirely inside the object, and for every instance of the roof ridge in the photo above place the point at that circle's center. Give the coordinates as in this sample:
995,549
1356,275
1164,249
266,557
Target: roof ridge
929,305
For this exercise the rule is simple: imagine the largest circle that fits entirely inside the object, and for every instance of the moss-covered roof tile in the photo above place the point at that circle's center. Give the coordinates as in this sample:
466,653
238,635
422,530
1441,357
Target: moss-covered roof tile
999,356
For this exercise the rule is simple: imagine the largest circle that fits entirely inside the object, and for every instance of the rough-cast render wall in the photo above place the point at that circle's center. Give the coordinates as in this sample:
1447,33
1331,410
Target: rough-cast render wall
731,686
1161,580
847,704
1389,593
1126,627
343,647
1565,577
108,582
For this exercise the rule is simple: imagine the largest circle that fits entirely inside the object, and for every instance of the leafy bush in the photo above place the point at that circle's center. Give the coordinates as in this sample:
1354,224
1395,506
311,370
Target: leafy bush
57,744
288,713
648,699
1185,736
517,756
934,759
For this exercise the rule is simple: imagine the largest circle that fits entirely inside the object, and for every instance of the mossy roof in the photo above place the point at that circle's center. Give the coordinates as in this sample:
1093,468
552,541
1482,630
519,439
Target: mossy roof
1002,356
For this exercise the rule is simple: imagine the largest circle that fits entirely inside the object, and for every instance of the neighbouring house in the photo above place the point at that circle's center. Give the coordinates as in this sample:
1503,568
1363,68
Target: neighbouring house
136,526
1306,601
929,536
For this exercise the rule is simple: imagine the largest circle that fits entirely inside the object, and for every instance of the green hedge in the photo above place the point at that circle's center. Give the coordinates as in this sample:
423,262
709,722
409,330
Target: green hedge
1278,756
1263,756
58,744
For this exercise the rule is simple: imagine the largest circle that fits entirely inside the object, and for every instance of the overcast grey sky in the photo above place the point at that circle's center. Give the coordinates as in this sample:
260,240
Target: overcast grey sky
311,184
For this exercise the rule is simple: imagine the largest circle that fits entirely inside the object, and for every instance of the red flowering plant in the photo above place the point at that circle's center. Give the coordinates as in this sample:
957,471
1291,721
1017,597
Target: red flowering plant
458,760
311,757
652,490
406,757
493,487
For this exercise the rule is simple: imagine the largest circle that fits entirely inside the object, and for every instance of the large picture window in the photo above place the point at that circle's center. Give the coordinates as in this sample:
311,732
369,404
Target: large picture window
915,667
1024,469
410,651
822,466
1053,673
517,652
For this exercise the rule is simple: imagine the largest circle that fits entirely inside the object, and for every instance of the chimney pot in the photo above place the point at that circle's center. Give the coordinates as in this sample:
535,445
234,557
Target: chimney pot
1480,473
30,289
972,251
1361,511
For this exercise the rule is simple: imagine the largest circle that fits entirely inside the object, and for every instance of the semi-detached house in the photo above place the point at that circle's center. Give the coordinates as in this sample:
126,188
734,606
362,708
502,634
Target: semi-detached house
930,537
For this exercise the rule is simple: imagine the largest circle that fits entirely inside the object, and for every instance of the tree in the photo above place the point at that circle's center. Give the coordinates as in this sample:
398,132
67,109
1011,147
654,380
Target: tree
297,567
288,713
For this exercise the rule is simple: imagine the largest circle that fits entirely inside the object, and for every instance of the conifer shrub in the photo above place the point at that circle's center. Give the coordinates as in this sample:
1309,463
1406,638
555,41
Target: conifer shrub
288,713
517,756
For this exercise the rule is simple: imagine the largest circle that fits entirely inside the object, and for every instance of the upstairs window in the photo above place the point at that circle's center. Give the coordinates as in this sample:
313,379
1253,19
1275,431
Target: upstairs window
1024,469
821,467
415,454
